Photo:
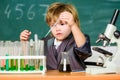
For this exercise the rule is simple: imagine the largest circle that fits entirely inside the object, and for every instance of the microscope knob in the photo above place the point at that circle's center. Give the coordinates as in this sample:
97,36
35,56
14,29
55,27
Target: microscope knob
117,34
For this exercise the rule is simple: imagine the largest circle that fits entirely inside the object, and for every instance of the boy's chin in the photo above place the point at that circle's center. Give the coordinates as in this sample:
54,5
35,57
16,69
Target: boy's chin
60,39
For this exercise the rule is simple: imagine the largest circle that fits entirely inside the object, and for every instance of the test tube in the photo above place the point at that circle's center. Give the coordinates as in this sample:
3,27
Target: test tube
7,52
16,53
26,54
36,51
31,61
1,54
11,52
3,51
22,61
41,50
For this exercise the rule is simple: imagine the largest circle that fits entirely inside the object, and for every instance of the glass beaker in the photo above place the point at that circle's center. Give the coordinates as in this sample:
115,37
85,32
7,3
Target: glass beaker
65,63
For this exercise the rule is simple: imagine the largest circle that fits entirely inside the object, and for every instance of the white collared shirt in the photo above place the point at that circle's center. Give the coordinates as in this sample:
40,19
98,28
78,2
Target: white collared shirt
57,43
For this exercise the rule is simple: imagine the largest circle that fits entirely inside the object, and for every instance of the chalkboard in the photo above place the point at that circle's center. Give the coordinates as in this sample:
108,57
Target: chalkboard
17,15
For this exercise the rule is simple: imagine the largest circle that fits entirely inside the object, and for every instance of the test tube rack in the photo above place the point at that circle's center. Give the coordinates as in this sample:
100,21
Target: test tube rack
22,57
19,58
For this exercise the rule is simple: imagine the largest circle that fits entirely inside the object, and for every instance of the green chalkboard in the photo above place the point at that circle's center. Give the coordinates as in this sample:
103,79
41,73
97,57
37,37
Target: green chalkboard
17,15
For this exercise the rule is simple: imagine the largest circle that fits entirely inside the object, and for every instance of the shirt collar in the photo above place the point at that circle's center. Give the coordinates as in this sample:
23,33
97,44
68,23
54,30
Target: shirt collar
57,43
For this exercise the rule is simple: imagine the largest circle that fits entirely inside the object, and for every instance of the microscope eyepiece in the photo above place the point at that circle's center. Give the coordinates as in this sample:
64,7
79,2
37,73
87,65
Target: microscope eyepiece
114,17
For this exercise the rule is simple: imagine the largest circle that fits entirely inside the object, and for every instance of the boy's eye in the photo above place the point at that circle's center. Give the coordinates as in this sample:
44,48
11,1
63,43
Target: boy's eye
62,24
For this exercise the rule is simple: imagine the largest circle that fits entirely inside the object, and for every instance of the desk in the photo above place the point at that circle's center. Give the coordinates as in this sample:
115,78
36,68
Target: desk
55,75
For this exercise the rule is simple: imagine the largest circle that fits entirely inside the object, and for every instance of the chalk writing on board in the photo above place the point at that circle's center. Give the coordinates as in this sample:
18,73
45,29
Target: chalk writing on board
30,13
46,7
7,11
19,9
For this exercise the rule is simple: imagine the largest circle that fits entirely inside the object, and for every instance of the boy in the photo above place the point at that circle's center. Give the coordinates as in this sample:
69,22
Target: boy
63,19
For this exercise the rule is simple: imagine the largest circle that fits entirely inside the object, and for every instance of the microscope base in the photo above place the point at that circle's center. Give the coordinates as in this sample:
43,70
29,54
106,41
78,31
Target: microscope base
101,70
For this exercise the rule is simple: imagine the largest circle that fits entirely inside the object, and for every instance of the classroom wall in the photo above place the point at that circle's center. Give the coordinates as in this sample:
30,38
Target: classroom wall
17,15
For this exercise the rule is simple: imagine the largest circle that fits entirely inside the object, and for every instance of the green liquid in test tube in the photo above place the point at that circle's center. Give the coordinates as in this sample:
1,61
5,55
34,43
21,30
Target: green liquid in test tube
32,68
2,68
22,63
12,64
7,63
41,65
27,67
16,64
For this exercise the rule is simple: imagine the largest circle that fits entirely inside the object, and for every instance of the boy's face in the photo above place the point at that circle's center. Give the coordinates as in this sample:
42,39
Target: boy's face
61,31
63,26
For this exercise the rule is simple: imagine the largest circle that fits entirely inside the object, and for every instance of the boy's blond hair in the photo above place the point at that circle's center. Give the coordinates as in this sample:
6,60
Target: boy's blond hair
55,9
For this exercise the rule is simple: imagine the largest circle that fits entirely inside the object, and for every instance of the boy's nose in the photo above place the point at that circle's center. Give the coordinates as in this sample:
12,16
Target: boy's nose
57,27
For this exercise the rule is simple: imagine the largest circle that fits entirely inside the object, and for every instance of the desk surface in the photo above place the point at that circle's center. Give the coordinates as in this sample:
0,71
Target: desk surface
55,75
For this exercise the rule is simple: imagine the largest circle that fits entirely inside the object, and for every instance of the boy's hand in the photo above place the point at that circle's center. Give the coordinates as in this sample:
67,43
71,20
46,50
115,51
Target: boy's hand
24,36
67,18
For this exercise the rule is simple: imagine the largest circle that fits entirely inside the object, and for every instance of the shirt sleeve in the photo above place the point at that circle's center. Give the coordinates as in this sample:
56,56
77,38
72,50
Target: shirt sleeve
84,51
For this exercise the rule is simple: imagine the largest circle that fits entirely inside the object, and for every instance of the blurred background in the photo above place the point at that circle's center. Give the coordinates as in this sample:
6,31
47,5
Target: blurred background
17,15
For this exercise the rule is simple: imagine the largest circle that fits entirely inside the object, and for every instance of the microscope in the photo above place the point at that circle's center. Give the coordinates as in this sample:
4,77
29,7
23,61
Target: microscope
112,61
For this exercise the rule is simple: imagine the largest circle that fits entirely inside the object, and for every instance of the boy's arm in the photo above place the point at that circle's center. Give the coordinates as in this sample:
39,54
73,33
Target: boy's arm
78,35
84,51
68,19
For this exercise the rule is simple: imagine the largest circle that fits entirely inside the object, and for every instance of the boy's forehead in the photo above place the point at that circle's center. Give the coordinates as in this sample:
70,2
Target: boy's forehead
55,17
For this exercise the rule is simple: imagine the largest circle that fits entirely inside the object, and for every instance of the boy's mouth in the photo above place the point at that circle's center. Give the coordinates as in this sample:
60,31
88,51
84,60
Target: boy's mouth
59,34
